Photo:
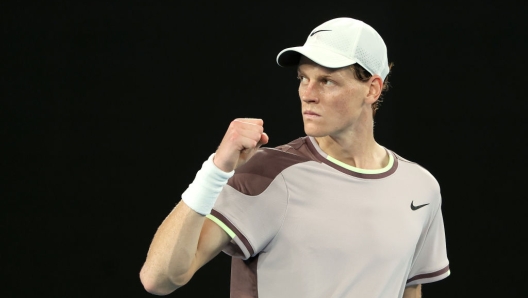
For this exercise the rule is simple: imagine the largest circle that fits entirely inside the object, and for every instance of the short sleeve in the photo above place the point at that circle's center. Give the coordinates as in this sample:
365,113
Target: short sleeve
251,209
430,262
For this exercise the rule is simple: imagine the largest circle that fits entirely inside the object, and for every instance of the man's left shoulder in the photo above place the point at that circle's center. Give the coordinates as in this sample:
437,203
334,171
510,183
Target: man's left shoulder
415,169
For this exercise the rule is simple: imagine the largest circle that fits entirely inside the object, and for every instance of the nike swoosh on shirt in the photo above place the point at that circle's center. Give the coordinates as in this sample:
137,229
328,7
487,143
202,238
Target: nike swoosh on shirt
417,207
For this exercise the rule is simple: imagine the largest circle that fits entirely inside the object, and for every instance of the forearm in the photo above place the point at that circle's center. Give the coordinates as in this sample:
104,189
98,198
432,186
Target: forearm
172,251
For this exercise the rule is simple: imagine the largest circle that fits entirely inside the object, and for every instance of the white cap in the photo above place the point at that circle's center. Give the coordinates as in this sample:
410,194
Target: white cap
341,42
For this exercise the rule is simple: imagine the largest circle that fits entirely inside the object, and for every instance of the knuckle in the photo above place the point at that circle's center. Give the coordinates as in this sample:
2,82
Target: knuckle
234,135
233,124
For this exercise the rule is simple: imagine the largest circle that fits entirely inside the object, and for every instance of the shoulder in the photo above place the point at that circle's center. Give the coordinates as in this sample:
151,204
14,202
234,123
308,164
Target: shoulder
264,167
416,171
269,161
299,147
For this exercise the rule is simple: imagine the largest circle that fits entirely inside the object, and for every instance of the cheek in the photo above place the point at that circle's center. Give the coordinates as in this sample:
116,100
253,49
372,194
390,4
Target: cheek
345,107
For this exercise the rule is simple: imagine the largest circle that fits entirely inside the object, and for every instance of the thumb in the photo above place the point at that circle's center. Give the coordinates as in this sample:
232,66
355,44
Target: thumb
263,139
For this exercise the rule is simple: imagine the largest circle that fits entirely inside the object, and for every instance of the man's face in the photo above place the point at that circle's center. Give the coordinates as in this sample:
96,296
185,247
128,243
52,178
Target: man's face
332,99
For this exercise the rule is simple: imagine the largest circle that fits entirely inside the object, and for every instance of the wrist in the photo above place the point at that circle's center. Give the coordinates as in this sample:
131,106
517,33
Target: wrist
208,183
219,165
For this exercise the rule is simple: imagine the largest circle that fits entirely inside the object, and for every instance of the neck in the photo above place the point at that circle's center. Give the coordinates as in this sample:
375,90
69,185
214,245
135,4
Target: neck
356,147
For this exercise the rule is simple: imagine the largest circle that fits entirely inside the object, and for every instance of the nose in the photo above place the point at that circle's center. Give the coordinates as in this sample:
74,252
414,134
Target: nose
308,92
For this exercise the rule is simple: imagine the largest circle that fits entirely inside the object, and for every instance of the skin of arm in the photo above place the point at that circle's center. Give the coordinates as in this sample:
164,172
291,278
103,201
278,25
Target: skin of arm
183,243
186,240
413,292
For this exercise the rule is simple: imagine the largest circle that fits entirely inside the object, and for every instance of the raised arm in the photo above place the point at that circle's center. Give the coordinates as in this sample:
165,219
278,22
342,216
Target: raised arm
183,243
186,240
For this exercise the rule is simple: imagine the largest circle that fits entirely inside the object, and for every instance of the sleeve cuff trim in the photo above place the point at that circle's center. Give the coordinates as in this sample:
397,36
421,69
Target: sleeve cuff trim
234,230
433,276
222,225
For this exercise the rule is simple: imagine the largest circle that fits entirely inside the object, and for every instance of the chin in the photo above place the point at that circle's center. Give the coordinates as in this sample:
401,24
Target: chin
314,132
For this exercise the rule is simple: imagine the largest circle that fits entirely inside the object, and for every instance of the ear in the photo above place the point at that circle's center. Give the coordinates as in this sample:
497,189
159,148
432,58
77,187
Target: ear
375,88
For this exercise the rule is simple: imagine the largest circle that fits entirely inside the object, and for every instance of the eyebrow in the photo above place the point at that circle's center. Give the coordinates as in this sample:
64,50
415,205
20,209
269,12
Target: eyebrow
320,76
328,71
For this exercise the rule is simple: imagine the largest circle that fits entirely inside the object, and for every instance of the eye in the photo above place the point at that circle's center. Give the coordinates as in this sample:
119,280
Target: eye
327,82
301,78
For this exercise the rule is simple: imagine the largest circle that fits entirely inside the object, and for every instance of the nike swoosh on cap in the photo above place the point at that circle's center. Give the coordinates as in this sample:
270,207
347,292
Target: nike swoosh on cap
318,31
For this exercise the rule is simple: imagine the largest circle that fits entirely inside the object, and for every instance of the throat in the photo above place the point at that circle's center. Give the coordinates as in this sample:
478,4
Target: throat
366,157
367,164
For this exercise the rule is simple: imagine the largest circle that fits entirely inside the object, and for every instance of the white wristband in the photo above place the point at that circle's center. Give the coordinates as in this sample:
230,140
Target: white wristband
202,192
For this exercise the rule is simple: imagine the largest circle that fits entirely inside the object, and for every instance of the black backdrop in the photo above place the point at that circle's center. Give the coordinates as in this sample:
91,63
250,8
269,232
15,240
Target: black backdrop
109,109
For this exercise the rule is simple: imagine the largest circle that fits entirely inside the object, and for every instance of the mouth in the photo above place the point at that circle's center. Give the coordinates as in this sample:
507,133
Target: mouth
310,113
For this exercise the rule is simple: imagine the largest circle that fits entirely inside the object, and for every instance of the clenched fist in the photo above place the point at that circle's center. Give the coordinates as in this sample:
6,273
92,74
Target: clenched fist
242,139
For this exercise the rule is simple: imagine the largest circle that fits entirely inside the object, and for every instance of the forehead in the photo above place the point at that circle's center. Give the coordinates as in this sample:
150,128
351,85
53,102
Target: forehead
305,64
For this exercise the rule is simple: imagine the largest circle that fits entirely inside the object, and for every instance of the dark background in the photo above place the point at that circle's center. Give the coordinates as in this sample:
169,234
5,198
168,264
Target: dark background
109,109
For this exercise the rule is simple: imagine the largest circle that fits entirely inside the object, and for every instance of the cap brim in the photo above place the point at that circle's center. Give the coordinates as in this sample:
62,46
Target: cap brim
319,55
